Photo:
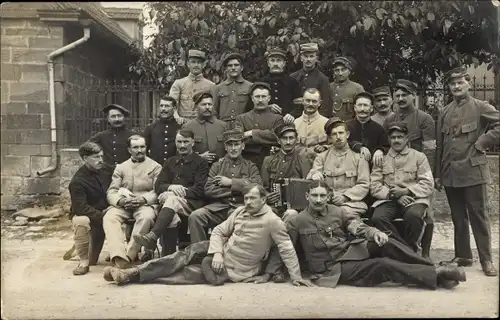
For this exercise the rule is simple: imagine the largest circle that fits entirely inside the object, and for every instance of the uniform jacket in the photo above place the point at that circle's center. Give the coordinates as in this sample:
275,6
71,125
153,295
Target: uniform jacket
370,134
262,124
380,119
461,131
183,91
316,79
241,171
281,165
88,189
343,98
245,241
327,238
208,135
138,178
231,98
346,172
409,169
311,130
114,145
160,139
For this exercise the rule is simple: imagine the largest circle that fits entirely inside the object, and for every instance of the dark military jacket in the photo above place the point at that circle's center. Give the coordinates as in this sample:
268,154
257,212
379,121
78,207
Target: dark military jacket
208,135
160,139
114,145
281,165
316,79
343,98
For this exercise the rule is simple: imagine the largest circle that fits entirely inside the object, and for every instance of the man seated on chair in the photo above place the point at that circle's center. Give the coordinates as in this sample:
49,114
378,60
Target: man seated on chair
341,249
345,171
402,186
88,202
224,186
131,195
236,252
180,188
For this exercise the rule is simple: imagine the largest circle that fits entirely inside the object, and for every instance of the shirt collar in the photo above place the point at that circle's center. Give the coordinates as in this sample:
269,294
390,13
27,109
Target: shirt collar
340,152
195,78
202,121
312,71
184,159
318,213
342,84
284,155
463,101
237,161
262,211
230,80
137,161
393,153
310,118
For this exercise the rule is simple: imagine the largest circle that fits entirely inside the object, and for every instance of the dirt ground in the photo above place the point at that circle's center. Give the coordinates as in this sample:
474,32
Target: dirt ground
38,284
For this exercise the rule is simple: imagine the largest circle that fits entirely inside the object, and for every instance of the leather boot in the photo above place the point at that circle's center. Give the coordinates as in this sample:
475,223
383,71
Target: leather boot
447,284
489,269
123,276
107,274
194,274
169,241
451,273
147,240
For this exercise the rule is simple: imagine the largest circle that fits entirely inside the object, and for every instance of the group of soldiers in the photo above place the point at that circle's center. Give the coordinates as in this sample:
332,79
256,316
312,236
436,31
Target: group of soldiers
211,160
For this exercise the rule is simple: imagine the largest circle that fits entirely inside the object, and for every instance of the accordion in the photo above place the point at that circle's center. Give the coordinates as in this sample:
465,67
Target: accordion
292,193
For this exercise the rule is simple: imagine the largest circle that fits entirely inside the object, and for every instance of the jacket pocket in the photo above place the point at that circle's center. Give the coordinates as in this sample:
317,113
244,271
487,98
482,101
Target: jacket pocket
242,96
351,174
471,130
223,94
410,173
478,160
311,238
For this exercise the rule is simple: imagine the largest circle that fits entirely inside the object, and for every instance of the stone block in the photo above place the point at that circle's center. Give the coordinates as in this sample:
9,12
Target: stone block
45,150
42,76
45,121
26,32
16,165
39,42
35,136
14,41
14,23
11,185
23,149
39,163
10,136
5,91
38,108
29,92
13,108
41,185
3,123
24,121
11,72
6,55
32,56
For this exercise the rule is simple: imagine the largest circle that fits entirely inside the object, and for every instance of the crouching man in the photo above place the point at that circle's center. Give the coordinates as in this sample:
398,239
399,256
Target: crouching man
341,249
236,251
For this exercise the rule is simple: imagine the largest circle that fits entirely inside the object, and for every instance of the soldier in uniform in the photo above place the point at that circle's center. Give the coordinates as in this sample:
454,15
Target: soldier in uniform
160,135
259,124
462,167
383,104
311,77
208,130
223,190
184,89
343,90
231,96
114,140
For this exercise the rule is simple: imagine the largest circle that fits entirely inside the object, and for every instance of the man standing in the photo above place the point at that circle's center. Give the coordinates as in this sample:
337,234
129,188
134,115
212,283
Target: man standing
160,135
131,195
403,186
383,104
371,258
345,171
230,97
311,77
184,89
259,124
343,90
224,186
88,201
180,186
114,140
462,167
207,129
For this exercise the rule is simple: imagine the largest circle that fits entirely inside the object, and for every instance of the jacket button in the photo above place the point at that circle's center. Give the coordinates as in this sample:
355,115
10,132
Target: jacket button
165,131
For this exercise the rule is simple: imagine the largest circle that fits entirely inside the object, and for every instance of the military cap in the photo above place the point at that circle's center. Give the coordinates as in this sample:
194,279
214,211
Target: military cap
233,135
381,91
407,85
364,94
196,54
275,52
329,124
118,107
201,95
280,130
309,47
399,126
457,72
257,85
233,55
343,61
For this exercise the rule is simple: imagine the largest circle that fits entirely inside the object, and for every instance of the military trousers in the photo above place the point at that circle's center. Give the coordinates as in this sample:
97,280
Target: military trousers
89,244
201,219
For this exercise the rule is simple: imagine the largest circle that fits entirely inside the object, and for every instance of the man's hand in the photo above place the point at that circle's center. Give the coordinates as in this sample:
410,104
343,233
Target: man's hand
380,238
320,148
275,108
437,184
209,156
397,192
258,279
178,190
162,197
339,200
247,134
131,204
302,282
378,158
288,119
180,120
222,181
273,197
317,176
366,153
405,201
218,263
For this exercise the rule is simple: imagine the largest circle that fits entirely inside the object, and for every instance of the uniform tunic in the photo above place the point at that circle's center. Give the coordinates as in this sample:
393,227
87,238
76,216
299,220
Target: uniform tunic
231,98
343,98
160,139
310,129
183,91
380,119
114,145
371,135
208,135
281,165
316,79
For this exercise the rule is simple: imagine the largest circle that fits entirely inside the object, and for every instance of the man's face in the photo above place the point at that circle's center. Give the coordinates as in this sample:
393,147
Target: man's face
205,108
341,72
184,145
288,140
363,108
234,68
309,59
137,149
398,140
166,109
339,136
234,148
115,118
318,198
459,86
195,65
383,104
403,98
94,161
261,98
311,102
276,64
253,201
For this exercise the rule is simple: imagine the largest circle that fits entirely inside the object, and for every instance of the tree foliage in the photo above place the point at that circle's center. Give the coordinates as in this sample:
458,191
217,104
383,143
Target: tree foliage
386,40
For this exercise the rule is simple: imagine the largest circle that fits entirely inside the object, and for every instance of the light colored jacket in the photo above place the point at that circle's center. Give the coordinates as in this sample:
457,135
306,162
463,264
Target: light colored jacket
311,130
408,169
184,89
245,241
